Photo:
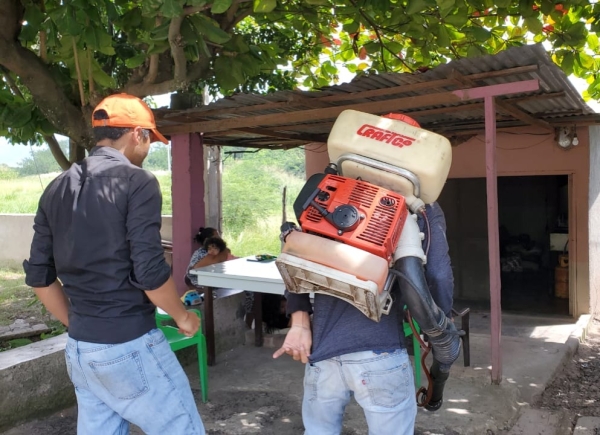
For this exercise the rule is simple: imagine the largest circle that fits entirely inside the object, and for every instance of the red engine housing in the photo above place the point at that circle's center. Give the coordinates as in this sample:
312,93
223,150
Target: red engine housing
384,214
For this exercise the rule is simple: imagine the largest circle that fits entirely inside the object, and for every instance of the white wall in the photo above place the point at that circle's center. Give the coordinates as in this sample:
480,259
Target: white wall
16,232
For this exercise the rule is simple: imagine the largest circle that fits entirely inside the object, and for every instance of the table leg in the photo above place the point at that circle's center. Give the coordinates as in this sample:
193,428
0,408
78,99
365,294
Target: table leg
257,308
209,325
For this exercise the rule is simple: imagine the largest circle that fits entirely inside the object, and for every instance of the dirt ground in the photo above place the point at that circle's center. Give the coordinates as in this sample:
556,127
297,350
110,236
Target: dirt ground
576,390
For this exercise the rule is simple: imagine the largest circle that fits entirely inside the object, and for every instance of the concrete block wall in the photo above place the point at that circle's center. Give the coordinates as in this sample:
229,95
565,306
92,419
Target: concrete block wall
16,232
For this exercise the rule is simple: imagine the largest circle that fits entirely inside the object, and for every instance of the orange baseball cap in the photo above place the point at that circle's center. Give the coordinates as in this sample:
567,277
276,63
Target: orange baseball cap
125,110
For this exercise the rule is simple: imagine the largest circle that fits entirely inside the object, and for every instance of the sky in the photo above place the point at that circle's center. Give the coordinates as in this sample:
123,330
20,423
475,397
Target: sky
11,155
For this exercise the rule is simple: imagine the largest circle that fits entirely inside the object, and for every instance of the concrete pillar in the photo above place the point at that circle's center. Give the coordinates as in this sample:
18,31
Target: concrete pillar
187,194
594,219
213,196
315,158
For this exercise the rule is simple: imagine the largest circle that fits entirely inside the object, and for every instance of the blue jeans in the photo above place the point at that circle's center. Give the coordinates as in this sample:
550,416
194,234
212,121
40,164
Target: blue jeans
382,384
140,382
438,270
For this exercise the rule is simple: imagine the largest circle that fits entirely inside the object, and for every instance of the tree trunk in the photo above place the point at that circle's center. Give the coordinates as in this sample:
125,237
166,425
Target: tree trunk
76,151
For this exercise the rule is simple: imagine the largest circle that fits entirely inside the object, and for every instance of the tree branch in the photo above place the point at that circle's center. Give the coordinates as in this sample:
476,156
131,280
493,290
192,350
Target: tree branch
57,152
152,70
190,10
47,94
90,74
198,70
11,83
79,78
177,44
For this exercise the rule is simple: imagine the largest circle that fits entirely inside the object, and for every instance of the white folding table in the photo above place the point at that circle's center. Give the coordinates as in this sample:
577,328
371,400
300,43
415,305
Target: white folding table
239,274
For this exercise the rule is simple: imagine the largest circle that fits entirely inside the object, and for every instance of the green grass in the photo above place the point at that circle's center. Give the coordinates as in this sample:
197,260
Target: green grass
17,300
261,238
21,195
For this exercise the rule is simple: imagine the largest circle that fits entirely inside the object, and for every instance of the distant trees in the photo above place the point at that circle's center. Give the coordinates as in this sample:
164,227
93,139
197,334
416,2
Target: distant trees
40,161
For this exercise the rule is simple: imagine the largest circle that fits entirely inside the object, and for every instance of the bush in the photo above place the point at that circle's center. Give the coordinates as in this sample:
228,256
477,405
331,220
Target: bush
8,173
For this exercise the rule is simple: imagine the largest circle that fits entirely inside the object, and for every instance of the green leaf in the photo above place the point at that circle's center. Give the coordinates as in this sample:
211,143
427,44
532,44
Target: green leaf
20,116
567,63
534,25
89,37
135,61
171,8
458,19
585,60
220,6
445,6
19,342
34,16
237,43
473,51
503,3
592,41
351,26
100,77
547,7
210,29
251,66
203,48
188,32
480,34
415,6
526,8
264,6
443,38
228,73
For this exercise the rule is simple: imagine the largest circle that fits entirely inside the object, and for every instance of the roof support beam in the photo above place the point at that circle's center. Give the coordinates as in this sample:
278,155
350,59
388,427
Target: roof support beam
504,106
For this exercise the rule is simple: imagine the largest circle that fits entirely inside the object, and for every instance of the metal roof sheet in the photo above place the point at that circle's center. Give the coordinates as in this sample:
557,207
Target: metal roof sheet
557,102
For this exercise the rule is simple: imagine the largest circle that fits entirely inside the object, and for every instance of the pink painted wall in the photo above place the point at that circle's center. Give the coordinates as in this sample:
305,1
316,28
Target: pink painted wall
521,152
187,193
533,152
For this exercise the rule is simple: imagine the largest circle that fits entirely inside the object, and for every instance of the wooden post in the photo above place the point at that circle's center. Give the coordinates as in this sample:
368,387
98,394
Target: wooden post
187,194
493,239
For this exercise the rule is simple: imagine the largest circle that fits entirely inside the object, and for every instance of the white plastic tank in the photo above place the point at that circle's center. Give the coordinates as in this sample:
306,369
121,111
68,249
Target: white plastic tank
424,153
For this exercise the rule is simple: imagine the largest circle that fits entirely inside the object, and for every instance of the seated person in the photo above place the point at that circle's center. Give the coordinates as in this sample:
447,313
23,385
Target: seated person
200,257
216,252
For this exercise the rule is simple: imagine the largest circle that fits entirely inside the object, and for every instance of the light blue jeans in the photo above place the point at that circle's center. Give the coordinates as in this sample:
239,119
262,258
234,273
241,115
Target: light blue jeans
382,384
140,382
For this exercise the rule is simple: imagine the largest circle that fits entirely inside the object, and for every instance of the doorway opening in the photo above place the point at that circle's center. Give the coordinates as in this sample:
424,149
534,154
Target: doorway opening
533,218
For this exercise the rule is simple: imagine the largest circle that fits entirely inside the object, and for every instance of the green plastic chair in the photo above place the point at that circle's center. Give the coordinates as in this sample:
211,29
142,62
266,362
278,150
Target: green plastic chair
179,341
417,350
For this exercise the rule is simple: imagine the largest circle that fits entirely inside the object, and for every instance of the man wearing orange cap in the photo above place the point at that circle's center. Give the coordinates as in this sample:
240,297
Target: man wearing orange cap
97,264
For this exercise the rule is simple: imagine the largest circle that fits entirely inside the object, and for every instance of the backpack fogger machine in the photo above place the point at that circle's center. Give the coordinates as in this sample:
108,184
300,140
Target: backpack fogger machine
359,239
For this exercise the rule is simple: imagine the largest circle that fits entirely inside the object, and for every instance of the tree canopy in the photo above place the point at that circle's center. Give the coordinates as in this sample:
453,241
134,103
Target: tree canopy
59,58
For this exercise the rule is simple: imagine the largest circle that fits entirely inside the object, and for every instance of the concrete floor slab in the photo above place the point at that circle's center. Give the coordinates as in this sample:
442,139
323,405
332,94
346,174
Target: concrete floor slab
249,392
587,426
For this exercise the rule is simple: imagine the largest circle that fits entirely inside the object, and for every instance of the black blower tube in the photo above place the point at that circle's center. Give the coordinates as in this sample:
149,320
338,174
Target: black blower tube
444,338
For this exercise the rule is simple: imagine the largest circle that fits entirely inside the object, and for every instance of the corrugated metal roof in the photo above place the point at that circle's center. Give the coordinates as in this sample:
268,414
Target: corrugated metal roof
240,120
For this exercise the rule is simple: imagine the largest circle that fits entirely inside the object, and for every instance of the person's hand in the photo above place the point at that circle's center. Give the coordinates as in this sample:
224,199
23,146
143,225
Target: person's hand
189,324
297,343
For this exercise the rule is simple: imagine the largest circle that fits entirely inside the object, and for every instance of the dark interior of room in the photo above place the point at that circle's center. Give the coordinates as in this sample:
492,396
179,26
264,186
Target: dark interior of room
530,210
533,227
